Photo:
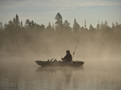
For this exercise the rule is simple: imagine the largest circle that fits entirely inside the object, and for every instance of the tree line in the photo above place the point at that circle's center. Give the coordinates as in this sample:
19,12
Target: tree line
16,37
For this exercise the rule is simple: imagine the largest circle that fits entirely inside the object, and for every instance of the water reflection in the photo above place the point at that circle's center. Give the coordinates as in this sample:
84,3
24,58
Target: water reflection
66,72
61,77
24,76
62,69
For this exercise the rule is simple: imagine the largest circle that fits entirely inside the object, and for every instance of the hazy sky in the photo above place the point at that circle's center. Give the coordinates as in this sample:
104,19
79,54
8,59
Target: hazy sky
44,11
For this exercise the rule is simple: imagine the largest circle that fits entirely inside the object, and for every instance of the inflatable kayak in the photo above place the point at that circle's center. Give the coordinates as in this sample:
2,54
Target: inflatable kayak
59,63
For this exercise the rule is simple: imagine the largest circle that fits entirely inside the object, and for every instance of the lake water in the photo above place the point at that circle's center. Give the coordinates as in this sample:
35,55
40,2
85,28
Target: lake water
18,73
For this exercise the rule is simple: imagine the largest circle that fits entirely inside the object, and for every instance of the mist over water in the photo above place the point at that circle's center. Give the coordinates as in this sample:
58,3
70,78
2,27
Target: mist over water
22,73
21,45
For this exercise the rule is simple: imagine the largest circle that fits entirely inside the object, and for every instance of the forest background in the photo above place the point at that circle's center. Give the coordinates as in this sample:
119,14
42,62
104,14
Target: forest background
21,39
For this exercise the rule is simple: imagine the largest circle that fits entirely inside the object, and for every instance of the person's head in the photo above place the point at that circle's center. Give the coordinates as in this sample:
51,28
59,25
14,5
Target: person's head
67,51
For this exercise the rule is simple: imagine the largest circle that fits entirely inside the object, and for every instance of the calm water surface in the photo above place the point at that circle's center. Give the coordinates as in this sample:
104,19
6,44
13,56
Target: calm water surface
17,73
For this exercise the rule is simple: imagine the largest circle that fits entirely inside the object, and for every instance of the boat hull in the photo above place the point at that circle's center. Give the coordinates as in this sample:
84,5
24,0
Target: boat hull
59,63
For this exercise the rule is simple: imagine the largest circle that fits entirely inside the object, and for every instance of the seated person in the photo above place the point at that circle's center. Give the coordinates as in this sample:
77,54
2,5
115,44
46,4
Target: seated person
68,57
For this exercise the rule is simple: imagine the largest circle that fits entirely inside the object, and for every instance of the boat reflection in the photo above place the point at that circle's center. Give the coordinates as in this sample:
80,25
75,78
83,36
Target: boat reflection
63,69
60,73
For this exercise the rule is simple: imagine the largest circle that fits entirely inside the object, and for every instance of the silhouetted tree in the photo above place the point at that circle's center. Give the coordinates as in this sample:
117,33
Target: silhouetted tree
1,25
113,25
105,27
58,17
49,26
42,27
27,25
98,26
17,23
76,26
48,29
82,28
21,24
85,24
58,23
91,28
117,26
67,29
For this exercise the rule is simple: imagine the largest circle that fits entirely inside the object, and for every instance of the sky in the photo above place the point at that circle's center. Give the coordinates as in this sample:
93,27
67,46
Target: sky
44,11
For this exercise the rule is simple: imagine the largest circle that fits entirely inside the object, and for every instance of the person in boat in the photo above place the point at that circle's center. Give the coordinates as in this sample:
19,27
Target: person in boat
68,57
